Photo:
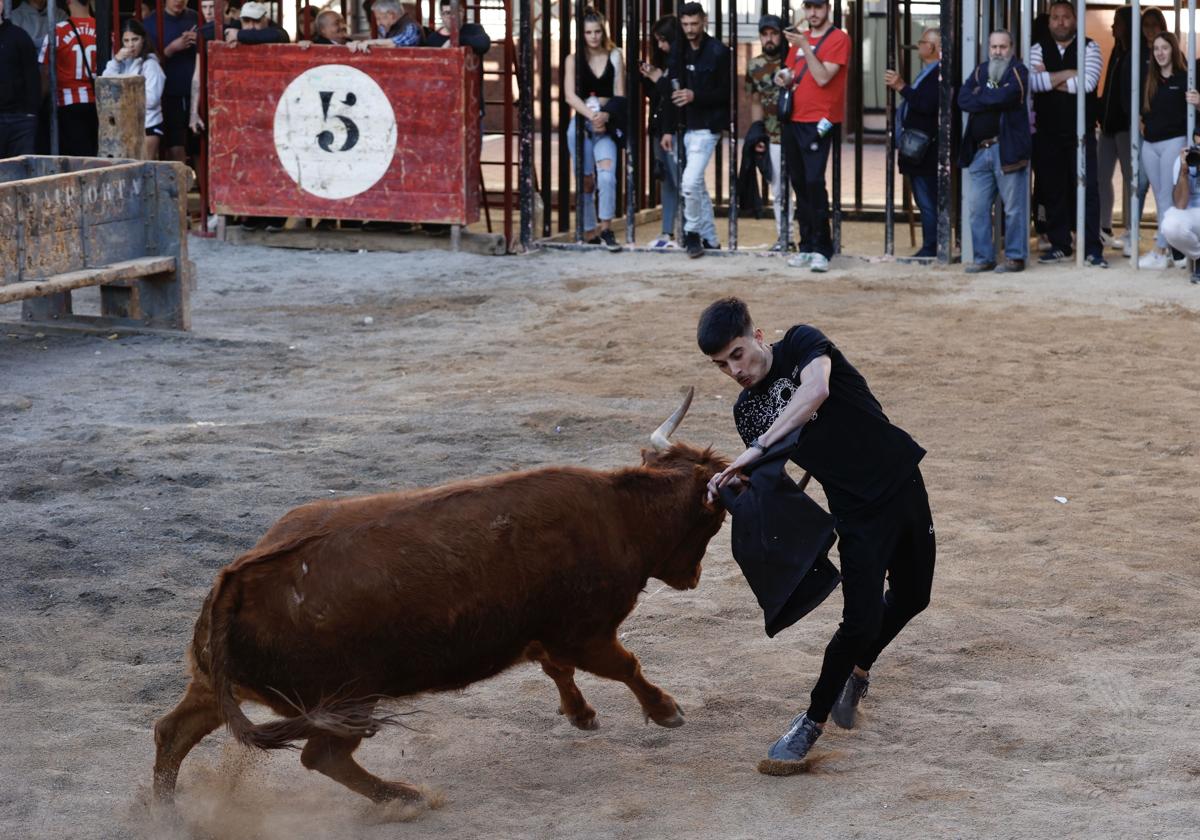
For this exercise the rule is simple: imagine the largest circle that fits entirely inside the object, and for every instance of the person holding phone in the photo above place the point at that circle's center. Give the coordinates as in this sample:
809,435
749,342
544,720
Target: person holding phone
656,85
1181,223
179,25
814,72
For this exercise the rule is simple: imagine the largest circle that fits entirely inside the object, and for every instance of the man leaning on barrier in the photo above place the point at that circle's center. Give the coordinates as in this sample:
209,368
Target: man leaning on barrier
995,152
20,90
1181,223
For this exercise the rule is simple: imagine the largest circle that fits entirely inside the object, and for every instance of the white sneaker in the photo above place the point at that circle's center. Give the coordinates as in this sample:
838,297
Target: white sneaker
663,243
1181,263
819,264
1121,242
1154,259
801,260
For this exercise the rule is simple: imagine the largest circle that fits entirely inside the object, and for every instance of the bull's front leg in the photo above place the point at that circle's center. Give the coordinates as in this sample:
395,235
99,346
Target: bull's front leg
608,658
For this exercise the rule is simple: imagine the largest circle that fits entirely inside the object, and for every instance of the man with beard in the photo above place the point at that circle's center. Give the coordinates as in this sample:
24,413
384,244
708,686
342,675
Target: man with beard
1055,62
995,152
764,105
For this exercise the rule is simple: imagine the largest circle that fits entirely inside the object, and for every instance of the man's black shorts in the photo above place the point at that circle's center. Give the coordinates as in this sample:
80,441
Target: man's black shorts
175,120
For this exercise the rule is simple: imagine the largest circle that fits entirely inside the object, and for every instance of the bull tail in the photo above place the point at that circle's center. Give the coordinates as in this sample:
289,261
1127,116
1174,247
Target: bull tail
340,717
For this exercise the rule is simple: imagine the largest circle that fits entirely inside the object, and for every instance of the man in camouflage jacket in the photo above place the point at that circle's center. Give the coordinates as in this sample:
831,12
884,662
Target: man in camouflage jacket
764,101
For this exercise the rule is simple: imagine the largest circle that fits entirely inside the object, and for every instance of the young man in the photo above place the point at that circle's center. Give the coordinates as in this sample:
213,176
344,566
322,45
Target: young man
703,99
179,27
20,90
868,469
74,53
1053,63
764,106
818,103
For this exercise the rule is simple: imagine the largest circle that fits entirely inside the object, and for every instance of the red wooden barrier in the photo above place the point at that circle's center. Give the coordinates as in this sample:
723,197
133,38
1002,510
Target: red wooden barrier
391,135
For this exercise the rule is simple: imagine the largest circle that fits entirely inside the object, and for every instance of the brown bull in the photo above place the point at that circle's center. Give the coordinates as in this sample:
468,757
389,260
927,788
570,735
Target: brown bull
344,603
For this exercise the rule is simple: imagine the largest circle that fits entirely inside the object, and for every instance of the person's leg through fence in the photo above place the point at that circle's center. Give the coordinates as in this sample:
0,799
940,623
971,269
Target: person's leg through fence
589,169
1014,199
815,154
1093,247
604,151
1056,177
792,138
1106,167
924,190
1182,230
982,173
669,188
697,206
775,152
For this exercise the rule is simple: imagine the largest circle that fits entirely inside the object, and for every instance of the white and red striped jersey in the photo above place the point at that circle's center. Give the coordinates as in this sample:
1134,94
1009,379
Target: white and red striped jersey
74,83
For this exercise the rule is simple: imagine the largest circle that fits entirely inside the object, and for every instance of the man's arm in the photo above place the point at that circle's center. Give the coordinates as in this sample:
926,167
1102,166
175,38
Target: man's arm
718,94
821,71
812,393
1093,62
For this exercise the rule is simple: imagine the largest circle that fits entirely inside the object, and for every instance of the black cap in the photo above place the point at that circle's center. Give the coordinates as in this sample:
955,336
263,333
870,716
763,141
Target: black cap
770,22
815,3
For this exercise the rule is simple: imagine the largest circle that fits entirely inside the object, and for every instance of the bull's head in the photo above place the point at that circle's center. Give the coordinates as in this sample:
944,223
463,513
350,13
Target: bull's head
695,519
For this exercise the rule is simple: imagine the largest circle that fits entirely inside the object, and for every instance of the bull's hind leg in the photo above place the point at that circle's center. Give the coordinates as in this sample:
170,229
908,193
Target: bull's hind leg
332,756
179,730
571,701
608,658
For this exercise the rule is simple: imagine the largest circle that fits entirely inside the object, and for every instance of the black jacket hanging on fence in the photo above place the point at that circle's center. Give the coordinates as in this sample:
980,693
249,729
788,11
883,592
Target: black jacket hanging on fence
753,164
781,540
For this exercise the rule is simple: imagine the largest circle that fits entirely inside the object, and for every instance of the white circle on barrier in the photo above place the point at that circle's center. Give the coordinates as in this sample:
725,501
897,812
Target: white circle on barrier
335,131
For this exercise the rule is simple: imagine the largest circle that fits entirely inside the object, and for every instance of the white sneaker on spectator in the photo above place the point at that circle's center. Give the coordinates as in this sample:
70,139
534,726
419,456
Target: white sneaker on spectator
663,242
819,263
801,260
1154,259
1121,242
1182,263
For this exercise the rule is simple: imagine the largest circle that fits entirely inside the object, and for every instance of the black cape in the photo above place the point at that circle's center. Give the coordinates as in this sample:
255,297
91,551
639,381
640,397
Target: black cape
781,540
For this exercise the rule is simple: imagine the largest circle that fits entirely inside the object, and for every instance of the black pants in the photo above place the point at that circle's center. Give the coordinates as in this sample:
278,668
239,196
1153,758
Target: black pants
896,540
17,134
78,130
1054,169
807,153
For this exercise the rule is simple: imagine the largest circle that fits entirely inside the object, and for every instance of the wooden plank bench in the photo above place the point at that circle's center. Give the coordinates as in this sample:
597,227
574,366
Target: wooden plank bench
79,222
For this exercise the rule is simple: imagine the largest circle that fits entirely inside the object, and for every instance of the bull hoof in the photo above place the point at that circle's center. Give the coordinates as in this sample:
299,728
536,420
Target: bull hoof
585,721
673,721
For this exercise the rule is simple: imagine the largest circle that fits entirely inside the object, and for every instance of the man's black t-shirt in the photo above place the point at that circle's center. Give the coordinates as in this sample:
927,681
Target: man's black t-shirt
849,446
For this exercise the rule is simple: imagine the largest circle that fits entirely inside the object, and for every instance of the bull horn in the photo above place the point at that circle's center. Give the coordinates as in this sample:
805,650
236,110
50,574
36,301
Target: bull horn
661,439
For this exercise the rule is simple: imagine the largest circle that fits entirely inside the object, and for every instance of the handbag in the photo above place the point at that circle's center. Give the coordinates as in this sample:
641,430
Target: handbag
913,144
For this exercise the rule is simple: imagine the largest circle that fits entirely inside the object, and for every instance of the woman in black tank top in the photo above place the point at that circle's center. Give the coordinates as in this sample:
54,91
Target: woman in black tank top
601,78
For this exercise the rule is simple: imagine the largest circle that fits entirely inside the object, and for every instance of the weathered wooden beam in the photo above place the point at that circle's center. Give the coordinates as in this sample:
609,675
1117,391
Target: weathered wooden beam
127,270
121,107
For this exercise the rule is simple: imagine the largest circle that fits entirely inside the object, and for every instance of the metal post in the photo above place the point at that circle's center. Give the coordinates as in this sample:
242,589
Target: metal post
525,83
1191,70
949,11
857,81
1080,140
547,130
889,182
52,62
680,131
733,126
719,152
970,57
564,117
1027,45
836,174
580,62
1134,223
633,134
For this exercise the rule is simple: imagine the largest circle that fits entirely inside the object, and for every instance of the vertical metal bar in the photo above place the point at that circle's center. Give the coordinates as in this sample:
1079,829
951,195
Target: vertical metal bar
52,62
525,83
1191,68
946,130
547,130
1133,224
970,57
1026,46
506,78
680,132
633,132
719,174
158,30
564,116
836,175
733,126
858,81
889,175
1080,141
108,32
580,62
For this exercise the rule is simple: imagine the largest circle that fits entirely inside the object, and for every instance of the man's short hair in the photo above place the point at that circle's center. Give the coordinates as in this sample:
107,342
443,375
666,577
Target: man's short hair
722,322
692,10
1003,32
387,6
1066,3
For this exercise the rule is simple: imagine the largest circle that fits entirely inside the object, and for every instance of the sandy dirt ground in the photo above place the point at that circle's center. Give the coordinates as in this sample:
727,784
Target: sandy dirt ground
1049,690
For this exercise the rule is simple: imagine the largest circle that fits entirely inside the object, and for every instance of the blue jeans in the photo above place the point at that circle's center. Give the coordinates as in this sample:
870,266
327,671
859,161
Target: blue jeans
987,179
601,148
670,187
698,145
924,190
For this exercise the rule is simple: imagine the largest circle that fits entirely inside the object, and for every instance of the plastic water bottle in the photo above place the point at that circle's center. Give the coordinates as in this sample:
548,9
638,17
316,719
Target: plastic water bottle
593,103
823,128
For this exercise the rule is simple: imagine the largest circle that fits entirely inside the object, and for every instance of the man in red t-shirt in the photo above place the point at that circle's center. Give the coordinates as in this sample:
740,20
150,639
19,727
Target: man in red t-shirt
815,68
74,56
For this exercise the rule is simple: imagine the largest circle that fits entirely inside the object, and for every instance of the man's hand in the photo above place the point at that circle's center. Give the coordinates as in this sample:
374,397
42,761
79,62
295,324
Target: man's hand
797,39
729,474
650,71
760,147
682,97
183,42
231,37
667,142
195,123
893,80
